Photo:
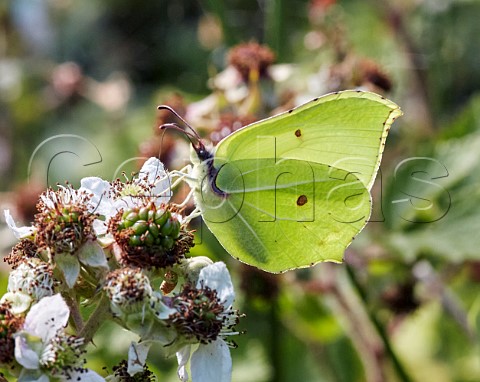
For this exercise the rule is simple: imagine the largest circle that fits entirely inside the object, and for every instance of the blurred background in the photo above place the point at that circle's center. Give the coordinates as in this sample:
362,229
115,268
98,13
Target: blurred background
79,86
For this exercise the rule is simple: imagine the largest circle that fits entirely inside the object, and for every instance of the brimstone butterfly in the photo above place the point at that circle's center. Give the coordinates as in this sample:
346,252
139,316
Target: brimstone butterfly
294,189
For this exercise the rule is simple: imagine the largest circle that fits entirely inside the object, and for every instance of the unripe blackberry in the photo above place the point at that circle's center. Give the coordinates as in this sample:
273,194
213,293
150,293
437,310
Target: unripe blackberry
150,236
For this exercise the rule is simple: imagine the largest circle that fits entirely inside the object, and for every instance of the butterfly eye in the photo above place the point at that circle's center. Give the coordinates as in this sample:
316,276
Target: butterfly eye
203,154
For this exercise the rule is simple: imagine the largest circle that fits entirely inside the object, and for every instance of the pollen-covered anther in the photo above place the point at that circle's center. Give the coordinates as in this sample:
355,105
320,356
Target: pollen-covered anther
150,236
121,373
62,354
128,289
201,316
64,221
9,325
24,249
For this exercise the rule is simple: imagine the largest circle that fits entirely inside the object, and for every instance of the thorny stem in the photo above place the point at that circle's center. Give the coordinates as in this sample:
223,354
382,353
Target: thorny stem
401,372
101,312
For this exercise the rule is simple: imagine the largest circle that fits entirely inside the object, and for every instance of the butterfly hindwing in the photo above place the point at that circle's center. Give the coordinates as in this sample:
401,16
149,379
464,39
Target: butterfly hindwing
280,215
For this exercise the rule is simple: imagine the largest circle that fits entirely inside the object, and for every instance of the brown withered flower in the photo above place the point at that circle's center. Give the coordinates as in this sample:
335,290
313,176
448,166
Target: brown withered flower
251,57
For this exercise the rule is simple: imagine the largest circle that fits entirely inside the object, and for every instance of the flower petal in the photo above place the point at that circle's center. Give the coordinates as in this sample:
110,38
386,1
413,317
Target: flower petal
83,375
212,363
92,254
156,175
100,202
183,355
216,277
24,355
70,267
32,376
46,317
137,356
19,302
19,232
159,308
100,227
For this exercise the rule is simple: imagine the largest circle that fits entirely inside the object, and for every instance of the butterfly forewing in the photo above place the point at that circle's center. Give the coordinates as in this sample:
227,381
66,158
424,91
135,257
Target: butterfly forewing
346,130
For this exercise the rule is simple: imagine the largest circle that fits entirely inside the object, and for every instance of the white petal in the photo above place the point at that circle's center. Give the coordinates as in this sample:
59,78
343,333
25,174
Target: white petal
155,171
183,355
92,254
70,267
19,302
212,363
24,355
100,201
216,277
46,317
19,232
84,375
100,227
160,310
137,356
32,376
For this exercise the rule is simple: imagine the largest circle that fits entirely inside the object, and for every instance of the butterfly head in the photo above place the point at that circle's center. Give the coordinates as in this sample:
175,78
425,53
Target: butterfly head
203,153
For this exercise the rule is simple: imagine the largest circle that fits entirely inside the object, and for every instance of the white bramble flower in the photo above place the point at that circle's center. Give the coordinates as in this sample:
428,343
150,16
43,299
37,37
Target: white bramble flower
29,282
19,232
151,184
32,277
205,316
63,229
45,351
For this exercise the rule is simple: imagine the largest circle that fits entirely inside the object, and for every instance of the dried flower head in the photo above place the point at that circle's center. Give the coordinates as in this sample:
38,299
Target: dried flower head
199,314
251,58
9,325
64,221
128,289
25,249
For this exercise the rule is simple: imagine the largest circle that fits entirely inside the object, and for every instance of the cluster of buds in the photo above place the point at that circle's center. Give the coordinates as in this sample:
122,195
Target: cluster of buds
65,257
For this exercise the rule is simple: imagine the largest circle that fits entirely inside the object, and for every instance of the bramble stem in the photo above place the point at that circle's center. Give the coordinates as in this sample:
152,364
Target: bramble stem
101,312
400,370
74,312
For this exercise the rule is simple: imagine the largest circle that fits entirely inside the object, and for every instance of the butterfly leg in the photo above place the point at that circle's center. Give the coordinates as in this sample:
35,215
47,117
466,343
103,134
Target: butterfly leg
195,213
186,200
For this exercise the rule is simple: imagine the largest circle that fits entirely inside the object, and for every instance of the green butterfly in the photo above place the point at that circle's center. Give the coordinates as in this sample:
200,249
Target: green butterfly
293,190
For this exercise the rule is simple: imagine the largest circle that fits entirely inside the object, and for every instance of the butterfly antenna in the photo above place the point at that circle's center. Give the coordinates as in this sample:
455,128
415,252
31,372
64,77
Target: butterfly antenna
166,107
174,126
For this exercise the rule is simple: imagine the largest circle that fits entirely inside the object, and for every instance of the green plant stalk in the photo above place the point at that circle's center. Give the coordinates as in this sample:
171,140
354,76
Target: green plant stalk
75,315
399,368
101,312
